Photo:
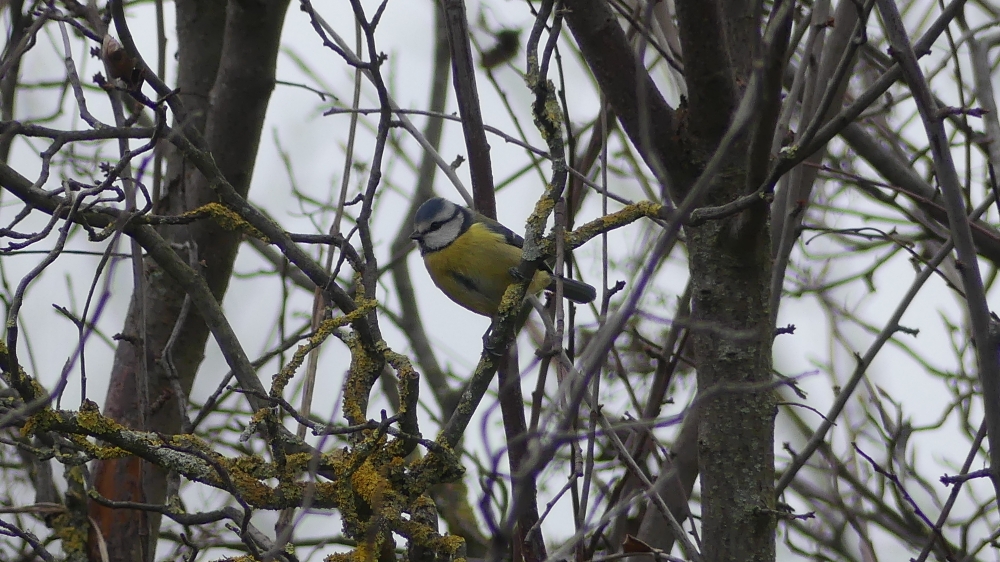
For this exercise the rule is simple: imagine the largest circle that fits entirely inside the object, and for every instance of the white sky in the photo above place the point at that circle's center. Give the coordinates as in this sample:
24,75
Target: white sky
315,147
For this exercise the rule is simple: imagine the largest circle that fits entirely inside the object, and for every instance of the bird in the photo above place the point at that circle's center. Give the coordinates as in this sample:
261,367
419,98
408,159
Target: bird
473,258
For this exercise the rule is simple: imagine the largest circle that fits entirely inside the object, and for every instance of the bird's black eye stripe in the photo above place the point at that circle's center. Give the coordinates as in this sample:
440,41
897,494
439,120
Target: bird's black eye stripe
438,224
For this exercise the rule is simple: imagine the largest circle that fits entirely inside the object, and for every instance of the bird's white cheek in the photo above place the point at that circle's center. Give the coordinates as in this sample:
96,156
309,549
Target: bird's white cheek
446,234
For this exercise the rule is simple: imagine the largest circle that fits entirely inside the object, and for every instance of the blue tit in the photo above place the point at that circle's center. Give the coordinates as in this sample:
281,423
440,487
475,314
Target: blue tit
470,258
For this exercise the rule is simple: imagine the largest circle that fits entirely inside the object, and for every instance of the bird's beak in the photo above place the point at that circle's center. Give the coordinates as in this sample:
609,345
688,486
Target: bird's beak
414,235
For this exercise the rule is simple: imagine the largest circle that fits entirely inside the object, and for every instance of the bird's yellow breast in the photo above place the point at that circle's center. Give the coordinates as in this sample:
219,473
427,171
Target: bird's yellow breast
474,270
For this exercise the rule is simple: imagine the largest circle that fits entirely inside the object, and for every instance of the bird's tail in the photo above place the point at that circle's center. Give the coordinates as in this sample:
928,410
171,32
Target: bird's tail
576,291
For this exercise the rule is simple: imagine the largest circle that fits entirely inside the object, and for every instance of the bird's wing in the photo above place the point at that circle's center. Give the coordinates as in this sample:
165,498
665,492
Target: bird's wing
508,234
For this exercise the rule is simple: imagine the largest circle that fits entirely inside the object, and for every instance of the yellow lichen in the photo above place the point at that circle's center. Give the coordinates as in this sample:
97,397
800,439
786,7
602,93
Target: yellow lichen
89,418
365,551
324,331
253,464
40,421
607,223
74,539
450,544
553,112
512,298
359,554
189,441
227,219
364,369
96,451
244,558
367,482
253,491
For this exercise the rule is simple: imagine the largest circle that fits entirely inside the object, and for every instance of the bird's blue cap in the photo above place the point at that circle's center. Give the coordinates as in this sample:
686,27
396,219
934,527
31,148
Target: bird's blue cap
430,209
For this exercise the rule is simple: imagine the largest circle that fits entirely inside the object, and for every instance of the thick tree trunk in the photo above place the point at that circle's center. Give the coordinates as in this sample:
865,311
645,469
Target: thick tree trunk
729,259
227,53
736,430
